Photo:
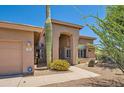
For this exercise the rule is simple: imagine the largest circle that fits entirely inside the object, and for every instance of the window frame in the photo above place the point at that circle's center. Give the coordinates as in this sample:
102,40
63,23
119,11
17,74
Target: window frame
82,52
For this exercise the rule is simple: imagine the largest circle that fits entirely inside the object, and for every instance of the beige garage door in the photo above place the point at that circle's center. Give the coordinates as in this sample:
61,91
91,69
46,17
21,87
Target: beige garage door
10,57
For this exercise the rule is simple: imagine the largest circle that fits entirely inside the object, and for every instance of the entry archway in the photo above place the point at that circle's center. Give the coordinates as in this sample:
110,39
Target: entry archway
65,47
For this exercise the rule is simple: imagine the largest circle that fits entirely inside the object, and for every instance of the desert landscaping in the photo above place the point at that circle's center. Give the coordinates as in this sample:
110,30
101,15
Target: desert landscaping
109,77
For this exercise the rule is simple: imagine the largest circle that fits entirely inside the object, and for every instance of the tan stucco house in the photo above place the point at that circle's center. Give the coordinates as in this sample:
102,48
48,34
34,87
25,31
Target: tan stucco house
22,46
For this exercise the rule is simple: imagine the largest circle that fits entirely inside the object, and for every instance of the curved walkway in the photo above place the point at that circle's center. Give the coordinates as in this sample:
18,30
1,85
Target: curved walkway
33,81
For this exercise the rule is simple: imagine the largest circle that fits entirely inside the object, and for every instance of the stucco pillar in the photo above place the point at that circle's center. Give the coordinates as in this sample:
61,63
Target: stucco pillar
56,46
71,46
74,49
87,53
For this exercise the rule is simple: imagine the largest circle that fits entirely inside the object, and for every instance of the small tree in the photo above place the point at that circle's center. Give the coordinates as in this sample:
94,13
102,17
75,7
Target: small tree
111,32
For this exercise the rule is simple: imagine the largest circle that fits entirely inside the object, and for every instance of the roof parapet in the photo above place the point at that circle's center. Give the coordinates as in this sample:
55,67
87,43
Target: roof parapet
87,37
67,24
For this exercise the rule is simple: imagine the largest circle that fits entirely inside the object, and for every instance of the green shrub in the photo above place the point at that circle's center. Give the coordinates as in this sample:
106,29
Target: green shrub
60,65
91,63
78,61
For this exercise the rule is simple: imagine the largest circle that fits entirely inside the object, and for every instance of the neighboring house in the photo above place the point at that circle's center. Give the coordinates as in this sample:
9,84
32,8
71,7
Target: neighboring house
22,45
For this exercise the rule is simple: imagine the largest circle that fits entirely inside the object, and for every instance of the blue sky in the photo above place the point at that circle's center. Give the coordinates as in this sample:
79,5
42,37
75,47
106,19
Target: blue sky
35,15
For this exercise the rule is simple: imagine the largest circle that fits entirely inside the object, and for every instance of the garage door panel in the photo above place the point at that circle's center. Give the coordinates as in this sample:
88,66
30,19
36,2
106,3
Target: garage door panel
10,57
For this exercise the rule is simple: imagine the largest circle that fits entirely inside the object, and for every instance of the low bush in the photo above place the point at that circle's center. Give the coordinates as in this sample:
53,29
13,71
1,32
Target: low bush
60,65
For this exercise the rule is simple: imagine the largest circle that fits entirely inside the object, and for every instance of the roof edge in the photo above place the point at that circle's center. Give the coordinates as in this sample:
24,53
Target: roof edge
11,25
87,37
67,24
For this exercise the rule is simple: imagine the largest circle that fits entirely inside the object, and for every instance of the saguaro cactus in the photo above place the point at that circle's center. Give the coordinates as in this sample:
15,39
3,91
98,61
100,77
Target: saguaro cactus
48,35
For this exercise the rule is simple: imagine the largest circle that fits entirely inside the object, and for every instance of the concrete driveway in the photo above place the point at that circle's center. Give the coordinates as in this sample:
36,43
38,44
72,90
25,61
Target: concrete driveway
34,81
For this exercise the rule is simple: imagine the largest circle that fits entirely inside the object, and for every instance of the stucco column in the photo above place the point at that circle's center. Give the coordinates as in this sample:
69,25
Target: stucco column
71,47
87,53
56,46
74,49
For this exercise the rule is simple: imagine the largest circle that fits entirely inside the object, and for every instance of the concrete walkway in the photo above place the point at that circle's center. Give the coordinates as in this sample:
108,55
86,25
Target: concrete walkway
34,81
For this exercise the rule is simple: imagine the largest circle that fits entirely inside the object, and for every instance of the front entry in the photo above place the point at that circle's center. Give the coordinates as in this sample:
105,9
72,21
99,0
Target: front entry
65,47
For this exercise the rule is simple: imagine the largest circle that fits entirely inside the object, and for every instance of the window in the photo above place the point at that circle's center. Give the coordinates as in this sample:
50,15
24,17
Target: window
81,53
67,53
41,51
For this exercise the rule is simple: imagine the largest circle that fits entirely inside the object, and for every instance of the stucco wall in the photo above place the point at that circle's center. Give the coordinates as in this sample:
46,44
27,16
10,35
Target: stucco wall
23,37
65,41
85,41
